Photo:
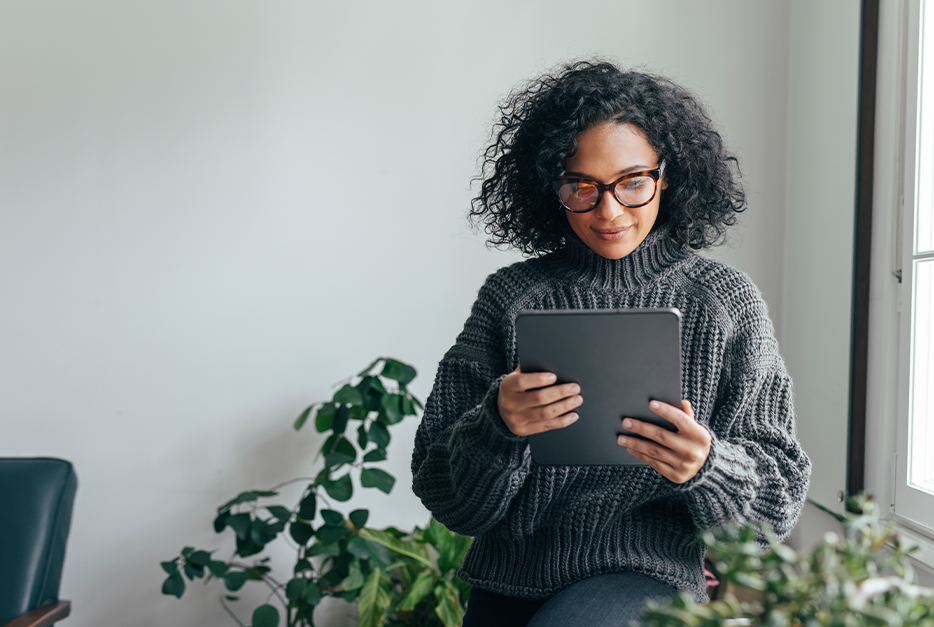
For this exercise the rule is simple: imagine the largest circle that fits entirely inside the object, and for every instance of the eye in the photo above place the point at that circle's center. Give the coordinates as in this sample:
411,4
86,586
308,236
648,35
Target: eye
635,183
584,189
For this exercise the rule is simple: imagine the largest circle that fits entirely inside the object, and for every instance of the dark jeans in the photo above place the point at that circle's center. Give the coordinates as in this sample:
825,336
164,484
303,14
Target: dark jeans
602,601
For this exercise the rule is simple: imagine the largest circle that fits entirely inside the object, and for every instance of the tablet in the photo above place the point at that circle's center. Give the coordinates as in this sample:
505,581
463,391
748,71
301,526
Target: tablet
621,358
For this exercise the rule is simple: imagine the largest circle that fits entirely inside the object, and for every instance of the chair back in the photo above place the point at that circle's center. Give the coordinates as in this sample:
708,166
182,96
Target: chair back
36,500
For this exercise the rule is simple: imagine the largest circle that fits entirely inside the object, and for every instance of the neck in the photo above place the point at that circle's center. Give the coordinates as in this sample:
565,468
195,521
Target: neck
653,257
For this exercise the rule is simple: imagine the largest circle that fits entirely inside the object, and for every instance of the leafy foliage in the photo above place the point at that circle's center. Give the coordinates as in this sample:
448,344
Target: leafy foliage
391,574
863,578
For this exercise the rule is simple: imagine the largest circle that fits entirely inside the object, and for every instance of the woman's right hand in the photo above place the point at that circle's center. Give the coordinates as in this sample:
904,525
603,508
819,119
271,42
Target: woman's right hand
531,402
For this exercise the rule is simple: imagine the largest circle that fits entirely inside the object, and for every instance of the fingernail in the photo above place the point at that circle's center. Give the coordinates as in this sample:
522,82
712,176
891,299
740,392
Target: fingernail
654,405
621,440
575,389
627,423
573,417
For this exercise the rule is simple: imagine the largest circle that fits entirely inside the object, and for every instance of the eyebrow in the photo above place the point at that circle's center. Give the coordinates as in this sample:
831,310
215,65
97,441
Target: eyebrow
633,168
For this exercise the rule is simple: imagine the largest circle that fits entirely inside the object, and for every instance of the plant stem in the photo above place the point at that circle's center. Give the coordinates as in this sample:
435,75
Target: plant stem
229,611
289,482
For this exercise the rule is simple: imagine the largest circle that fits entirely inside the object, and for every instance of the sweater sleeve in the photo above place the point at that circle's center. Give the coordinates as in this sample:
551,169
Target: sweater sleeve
756,470
467,467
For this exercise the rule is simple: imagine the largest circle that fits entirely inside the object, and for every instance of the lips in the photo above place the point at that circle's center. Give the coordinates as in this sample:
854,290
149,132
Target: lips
612,234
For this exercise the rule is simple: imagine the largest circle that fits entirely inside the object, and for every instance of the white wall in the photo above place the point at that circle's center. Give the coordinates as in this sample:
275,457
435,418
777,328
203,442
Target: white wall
212,211
817,296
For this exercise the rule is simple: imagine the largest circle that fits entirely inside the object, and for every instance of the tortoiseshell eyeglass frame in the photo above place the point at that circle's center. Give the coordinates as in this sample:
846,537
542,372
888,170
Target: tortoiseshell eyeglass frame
655,174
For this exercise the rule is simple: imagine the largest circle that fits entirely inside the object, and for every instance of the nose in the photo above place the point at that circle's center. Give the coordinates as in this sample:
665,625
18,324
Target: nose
609,208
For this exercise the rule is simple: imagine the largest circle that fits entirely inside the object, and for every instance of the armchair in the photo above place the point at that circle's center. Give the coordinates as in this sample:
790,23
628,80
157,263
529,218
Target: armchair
36,499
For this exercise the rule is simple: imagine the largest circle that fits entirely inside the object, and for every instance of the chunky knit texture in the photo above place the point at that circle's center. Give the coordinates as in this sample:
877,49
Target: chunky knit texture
540,528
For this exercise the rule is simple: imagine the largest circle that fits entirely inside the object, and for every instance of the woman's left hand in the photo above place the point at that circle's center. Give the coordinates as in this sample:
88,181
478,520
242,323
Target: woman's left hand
678,456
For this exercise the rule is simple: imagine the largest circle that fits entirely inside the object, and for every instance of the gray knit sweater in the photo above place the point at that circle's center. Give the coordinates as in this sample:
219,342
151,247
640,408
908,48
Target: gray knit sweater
540,528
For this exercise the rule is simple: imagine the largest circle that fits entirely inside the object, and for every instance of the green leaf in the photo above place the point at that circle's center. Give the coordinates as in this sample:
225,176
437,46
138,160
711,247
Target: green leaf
231,597
295,588
376,478
391,410
240,523
301,532
379,555
449,608
373,602
332,517
348,395
409,548
300,421
408,407
245,497
354,578
358,547
370,367
324,418
261,532
324,549
340,420
217,568
358,518
170,568
346,447
174,586
376,455
373,393
379,435
340,489
398,371
336,460
221,521
420,588
266,616
235,580
306,509
200,558
302,565
362,437
193,571
281,513
312,595
329,534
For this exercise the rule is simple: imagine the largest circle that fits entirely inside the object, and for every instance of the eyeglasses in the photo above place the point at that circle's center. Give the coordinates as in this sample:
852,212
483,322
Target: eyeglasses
632,190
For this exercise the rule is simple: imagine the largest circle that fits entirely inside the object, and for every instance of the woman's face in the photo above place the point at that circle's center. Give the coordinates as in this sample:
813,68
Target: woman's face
605,153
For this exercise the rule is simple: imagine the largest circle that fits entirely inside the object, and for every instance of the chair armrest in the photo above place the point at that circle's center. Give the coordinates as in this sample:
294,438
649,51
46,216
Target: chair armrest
42,616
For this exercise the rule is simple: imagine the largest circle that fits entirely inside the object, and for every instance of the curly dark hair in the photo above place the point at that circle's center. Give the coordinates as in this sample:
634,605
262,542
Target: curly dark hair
536,132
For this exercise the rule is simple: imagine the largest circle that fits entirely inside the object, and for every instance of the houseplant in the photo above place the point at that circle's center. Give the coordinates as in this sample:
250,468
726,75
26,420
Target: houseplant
861,578
396,577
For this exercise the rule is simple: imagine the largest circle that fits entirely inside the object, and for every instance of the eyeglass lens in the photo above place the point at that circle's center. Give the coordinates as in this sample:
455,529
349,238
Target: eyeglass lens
583,195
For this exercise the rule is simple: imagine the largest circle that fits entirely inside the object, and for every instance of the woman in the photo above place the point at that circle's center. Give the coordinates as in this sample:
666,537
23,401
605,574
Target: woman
609,180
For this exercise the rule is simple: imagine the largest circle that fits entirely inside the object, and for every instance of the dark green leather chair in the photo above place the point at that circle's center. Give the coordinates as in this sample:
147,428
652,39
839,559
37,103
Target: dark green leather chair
36,499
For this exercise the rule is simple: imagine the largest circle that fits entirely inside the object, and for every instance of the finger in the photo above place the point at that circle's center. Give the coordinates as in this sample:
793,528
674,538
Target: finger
551,394
669,439
651,449
550,424
560,407
687,408
525,381
661,467
679,417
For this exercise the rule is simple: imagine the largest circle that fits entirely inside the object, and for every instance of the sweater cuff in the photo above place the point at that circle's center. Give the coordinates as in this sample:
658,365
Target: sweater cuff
724,487
492,434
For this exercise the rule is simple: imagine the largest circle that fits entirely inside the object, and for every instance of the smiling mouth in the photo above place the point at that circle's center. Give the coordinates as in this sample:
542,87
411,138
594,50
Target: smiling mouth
612,234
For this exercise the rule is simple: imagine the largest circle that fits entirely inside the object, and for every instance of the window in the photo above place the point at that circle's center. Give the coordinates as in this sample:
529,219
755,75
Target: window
914,488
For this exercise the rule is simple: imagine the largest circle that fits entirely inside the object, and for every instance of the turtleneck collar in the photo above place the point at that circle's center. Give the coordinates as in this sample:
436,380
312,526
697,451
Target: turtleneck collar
650,260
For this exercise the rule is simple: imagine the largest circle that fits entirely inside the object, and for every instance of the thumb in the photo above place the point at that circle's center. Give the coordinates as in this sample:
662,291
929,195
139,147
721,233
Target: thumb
687,408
